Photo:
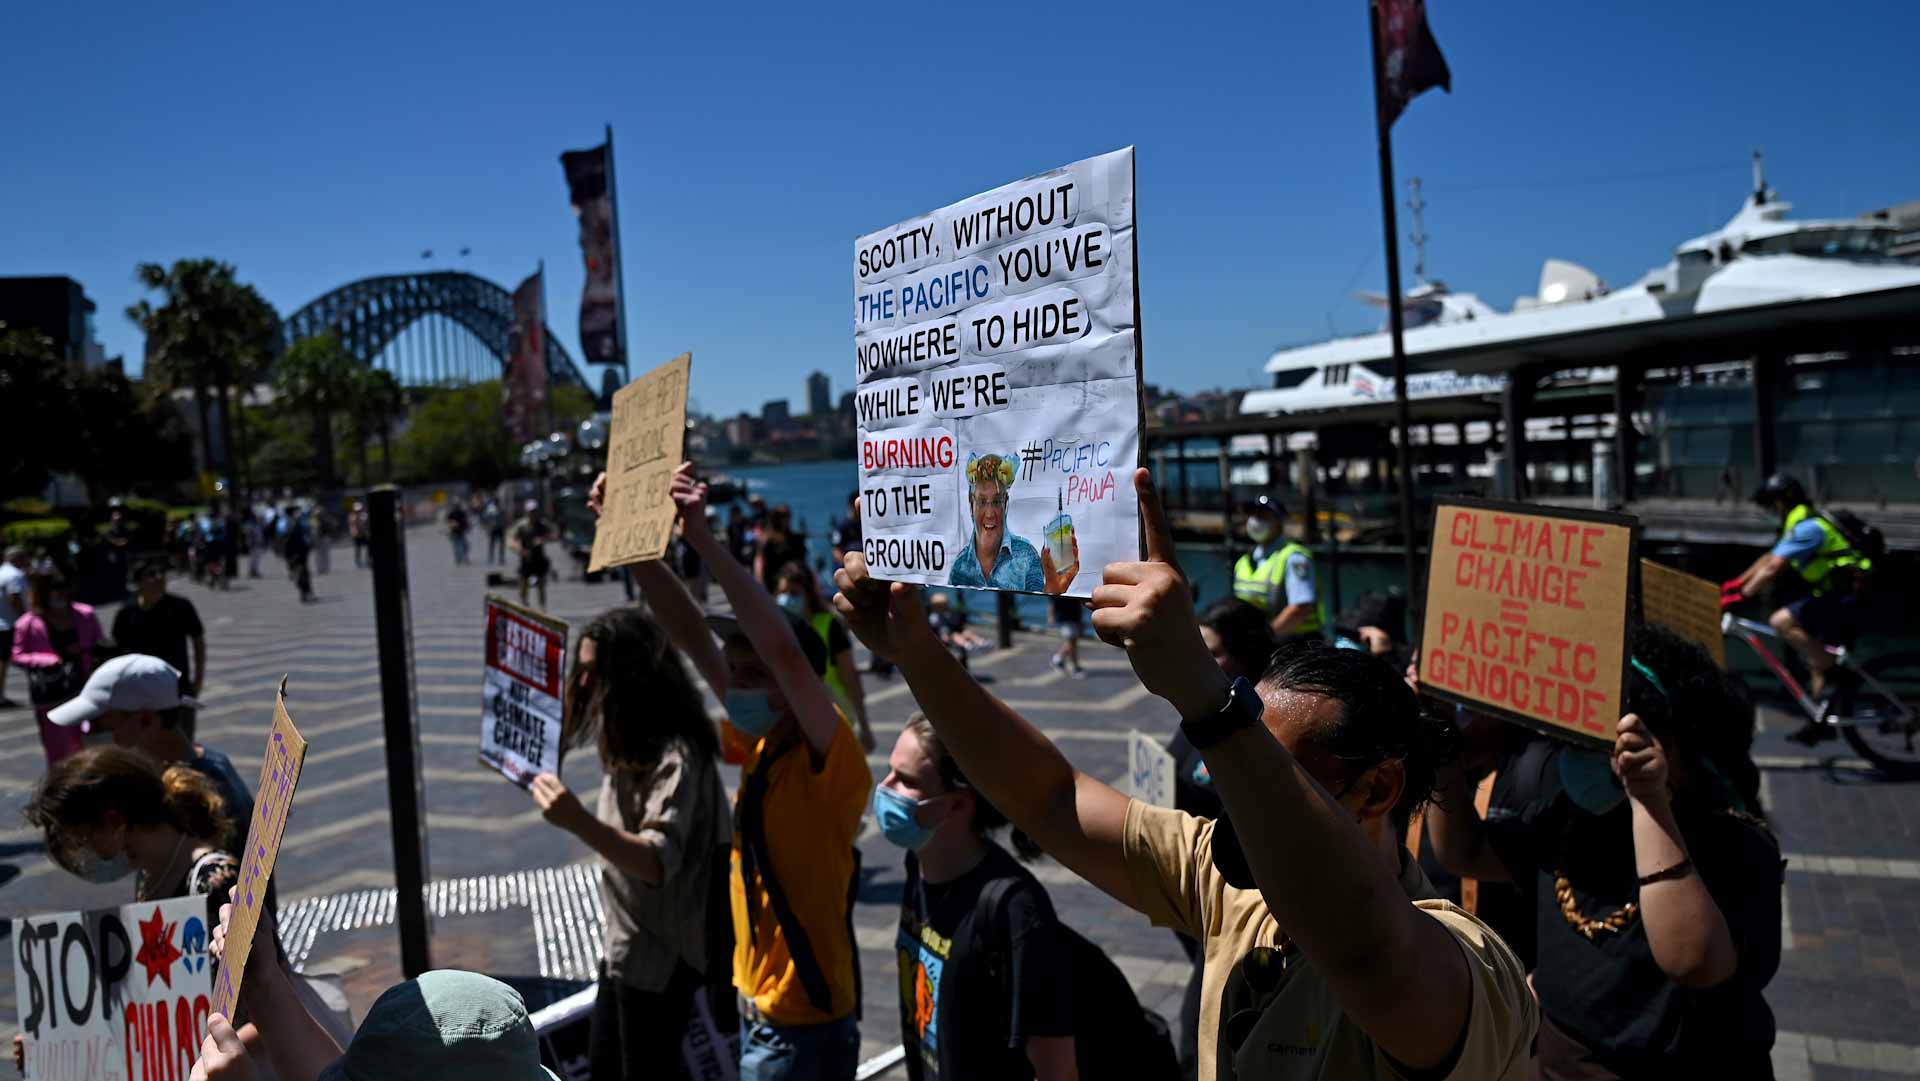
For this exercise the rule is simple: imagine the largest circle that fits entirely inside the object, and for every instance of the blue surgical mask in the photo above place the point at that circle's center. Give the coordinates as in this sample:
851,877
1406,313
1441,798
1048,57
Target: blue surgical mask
750,711
796,605
102,871
895,814
1587,777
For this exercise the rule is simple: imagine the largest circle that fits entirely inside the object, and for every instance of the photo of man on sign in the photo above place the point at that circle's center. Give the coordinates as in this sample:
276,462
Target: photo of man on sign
995,558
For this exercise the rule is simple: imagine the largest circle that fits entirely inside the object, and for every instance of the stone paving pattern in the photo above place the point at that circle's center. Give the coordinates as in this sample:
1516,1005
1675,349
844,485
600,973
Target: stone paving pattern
1847,997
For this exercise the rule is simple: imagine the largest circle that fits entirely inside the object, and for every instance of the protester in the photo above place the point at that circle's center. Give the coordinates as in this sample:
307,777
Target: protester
256,544
1068,615
848,534
13,606
1309,880
215,547
530,537
804,787
54,644
441,1024
163,625
357,524
1376,623
799,594
457,525
494,520
1658,885
661,830
778,546
296,544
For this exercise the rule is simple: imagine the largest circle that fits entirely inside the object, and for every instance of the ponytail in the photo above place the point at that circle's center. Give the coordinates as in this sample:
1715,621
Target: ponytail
78,791
192,804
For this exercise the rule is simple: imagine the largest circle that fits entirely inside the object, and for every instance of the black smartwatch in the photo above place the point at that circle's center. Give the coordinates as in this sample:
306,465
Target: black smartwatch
1243,708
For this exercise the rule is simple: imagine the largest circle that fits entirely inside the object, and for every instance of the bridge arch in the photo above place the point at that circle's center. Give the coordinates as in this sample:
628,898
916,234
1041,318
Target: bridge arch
371,314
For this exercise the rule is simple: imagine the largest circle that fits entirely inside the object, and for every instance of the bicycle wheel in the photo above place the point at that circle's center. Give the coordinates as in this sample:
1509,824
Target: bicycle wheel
1872,723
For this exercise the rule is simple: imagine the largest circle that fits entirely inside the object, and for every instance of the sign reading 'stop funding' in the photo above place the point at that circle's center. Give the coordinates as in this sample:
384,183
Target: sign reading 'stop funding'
997,351
1526,614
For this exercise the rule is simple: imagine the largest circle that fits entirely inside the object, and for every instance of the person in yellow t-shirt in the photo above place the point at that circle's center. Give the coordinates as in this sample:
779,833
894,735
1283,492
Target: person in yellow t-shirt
1327,955
803,789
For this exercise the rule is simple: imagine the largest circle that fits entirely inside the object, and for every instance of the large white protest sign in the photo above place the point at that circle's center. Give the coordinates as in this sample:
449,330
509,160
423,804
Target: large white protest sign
521,703
113,994
997,348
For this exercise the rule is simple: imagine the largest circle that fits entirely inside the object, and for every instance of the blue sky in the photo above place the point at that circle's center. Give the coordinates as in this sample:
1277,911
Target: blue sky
311,145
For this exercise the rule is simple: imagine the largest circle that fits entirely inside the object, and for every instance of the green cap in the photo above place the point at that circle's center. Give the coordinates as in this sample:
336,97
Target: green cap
447,1024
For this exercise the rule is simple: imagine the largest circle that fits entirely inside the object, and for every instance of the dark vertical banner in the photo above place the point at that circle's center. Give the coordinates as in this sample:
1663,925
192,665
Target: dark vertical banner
589,190
1410,60
526,389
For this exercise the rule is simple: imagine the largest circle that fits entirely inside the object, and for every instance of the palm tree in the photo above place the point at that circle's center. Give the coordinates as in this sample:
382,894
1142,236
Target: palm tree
317,377
376,401
209,332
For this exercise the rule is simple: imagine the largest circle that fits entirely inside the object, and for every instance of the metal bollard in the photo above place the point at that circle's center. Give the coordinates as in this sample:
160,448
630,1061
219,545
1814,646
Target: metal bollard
393,623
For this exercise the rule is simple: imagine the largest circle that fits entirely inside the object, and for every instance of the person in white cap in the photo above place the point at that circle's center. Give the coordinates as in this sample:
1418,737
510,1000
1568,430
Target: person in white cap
135,699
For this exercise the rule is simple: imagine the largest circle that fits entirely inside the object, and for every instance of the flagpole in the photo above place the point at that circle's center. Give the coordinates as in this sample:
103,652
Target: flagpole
540,271
619,257
1395,318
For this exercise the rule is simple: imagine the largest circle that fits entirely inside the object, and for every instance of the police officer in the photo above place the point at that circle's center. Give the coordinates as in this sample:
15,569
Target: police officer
1832,567
1277,576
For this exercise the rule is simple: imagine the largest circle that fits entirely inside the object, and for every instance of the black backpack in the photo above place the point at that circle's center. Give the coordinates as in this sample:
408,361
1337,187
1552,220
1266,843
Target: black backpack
1865,537
1113,1035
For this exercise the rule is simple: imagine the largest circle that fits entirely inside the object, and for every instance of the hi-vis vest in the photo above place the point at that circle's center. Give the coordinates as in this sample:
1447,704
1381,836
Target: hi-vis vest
1256,584
1835,552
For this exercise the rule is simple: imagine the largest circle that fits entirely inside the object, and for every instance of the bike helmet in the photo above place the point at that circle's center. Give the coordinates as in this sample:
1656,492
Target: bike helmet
1780,488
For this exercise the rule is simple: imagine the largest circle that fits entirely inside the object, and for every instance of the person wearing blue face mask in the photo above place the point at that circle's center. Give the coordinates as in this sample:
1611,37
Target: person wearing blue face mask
803,792
1656,883
799,594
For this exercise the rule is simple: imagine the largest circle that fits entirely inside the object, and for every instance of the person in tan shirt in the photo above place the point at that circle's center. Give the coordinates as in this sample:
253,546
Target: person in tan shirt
1325,956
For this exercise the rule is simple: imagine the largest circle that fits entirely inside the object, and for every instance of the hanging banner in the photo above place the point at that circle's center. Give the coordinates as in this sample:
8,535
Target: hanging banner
587,189
273,798
1685,605
1526,614
644,444
525,392
113,994
521,698
997,353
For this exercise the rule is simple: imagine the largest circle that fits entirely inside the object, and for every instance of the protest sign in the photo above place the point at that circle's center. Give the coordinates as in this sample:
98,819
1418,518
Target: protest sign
113,994
1685,605
1149,770
644,443
997,356
521,703
273,799
1526,614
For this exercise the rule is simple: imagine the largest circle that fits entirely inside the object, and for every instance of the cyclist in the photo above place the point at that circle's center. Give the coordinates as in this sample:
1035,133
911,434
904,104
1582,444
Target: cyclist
1832,568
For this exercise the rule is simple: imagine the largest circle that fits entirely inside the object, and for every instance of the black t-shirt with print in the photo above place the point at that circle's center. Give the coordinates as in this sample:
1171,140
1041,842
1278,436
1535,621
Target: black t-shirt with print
1608,992
161,631
957,1020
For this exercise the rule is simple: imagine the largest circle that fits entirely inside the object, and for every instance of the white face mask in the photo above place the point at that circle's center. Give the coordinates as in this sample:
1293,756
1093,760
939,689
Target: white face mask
102,871
1261,530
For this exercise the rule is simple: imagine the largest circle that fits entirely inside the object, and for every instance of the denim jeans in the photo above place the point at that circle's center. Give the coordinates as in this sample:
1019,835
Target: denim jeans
828,1052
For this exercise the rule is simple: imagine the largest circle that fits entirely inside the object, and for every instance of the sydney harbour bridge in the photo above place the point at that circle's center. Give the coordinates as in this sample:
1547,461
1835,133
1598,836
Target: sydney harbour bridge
435,328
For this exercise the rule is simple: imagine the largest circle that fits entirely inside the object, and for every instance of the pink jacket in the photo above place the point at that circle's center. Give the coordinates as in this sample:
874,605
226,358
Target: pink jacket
33,646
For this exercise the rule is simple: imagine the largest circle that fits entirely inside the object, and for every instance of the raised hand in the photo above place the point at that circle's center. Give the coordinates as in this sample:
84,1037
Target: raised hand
557,802
1640,761
1059,580
597,495
690,494
885,615
1146,608
222,1057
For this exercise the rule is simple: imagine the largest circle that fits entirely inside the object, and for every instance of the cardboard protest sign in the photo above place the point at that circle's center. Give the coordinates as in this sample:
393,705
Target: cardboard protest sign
521,701
1688,606
997,353
644,441
113,994
1526,614
1149,770
273,799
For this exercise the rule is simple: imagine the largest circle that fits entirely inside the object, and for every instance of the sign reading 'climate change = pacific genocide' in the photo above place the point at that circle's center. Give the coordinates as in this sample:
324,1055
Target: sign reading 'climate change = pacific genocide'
997,350
521,701
113,994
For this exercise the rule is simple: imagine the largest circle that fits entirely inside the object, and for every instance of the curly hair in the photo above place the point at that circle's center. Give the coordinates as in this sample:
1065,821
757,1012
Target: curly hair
1700,713
640,699
986,817
1244,631
78,791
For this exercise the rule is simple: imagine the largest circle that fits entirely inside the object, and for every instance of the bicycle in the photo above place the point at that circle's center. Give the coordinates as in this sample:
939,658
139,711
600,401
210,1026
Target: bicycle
1868,703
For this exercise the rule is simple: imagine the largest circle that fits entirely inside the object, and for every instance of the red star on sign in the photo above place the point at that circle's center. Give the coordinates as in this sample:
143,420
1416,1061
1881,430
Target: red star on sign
157,951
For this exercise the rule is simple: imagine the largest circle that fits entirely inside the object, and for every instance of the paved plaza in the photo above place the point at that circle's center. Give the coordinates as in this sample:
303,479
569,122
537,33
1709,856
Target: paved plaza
510,898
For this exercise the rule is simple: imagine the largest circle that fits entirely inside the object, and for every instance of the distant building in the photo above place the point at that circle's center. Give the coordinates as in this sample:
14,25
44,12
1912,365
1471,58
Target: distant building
776,411
819,395
742,431
56,307
1906,218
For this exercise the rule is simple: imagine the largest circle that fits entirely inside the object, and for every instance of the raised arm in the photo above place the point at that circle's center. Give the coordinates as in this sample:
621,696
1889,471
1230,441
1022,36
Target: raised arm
1077,819
1396,971
679,614
761,620
1686,930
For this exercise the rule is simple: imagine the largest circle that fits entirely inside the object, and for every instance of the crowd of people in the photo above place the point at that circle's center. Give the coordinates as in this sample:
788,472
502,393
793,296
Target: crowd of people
1370,884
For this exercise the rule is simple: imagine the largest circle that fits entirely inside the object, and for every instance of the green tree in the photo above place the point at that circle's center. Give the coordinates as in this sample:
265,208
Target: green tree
209,333
376,401
458,433
317,379
126,441
570,405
